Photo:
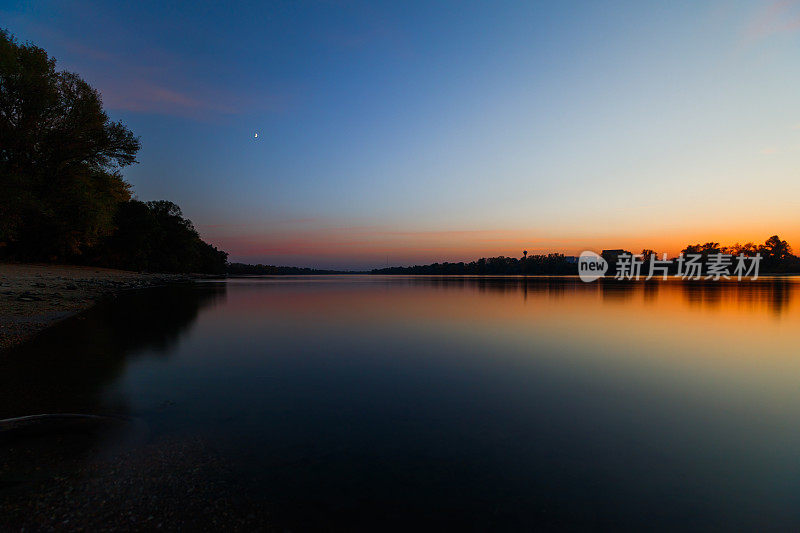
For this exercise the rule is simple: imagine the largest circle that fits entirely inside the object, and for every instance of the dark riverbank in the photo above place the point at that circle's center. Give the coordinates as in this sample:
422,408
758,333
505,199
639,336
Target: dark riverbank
35,296
168,484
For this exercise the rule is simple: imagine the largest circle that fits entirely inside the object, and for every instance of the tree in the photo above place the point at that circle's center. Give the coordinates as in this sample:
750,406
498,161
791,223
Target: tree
748,249
703,249
776,254
647,253
154,236
774,249
60,157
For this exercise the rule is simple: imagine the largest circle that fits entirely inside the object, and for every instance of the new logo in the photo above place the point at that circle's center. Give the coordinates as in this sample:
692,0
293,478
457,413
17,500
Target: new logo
591,266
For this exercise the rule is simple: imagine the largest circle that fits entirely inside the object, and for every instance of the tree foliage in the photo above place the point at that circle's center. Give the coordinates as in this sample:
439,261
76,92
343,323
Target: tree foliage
62,195
776,254
243,269
60,157
154,236
550,264
776,258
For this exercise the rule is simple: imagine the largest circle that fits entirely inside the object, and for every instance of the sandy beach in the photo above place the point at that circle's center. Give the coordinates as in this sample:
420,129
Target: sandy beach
35,296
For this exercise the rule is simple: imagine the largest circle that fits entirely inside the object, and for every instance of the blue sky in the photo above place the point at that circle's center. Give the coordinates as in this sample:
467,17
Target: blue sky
427,131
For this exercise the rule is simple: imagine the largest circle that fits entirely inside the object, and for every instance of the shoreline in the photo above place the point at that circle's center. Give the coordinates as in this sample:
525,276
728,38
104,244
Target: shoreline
34,296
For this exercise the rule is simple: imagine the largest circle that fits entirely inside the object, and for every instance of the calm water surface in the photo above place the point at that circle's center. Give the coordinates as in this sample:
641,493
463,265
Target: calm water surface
356,402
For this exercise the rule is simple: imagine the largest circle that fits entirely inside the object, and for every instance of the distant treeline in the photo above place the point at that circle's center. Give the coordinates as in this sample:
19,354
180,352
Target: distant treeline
242,269
62,194
776,254
550,264
776,257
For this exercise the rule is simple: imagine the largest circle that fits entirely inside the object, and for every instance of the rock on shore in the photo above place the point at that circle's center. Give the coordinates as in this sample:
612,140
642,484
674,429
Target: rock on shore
34,296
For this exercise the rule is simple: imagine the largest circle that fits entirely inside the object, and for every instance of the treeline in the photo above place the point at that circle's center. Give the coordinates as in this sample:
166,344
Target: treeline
776,258
154,236
545,264
242,269
62,194
776,254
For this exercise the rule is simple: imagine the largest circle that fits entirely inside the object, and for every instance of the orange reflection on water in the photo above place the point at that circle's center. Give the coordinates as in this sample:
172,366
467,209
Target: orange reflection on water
513,298
664,332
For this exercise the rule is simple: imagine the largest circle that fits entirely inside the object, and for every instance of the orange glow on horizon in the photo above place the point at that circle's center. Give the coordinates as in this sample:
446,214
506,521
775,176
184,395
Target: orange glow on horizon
371,246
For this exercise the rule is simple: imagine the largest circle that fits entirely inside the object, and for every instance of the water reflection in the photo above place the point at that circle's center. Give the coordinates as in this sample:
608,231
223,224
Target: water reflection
773,294
67,367
515,403
479,403
768,293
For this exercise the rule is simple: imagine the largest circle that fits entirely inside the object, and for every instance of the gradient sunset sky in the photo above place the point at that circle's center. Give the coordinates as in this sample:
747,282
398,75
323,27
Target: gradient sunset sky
446,131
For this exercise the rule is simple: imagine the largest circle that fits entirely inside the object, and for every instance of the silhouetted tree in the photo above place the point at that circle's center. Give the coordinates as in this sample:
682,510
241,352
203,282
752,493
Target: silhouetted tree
555,264
775,249
60,157
748,249
647,253
242,269
702,249
777,258
776,254
154,236
61,192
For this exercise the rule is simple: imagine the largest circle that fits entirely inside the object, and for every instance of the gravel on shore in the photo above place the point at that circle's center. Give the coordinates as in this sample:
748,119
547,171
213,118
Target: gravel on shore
35,296
171,484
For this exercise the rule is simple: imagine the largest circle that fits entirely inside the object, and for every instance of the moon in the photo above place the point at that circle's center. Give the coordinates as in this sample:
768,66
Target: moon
256,136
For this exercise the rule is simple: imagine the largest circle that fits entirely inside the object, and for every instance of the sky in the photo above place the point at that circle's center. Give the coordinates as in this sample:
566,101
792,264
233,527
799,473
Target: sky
412,132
